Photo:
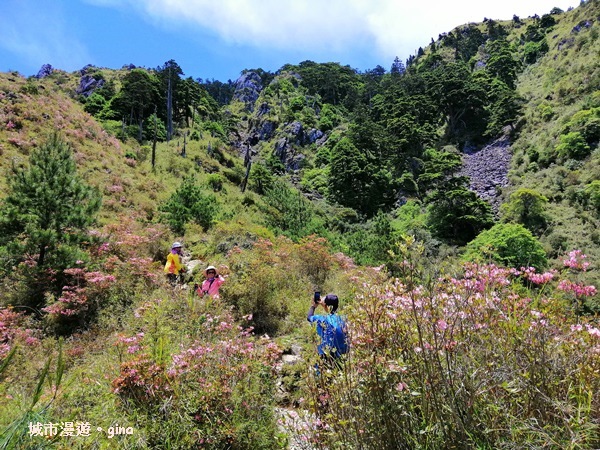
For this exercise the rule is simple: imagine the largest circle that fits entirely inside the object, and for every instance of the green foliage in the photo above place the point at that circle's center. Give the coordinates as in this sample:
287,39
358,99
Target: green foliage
592,195
154,123
296,104
357,181
410,217
44,218
509,244
258,290
30,88
235,175
502,63
465,41
504,109
437,166
457,214
532,51
215,181
189,204
586,122
573,145
216,129
461,99
546,111
137,98
261,179
16,434
329,118
369,244
289,211
94,104
527,207
315,180
334,83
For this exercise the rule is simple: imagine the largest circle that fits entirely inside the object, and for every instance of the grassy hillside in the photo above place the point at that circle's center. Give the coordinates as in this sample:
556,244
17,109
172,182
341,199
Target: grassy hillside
562,92
351,189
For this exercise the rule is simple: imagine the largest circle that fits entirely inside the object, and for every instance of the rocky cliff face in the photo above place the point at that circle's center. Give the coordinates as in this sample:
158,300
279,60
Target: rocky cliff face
247,89
287,138
488,170
88,83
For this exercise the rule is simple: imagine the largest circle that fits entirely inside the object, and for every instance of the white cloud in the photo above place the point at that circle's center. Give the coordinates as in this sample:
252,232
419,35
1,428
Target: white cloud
386,27
38,35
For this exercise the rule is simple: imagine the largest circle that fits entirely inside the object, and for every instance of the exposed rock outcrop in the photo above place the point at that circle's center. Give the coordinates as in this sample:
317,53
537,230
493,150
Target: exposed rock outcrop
287,147
89,81
488,170
44,71
247,89
88,84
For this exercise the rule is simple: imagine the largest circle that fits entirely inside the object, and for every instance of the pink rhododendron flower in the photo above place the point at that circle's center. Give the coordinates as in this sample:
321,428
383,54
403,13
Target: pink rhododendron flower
576,261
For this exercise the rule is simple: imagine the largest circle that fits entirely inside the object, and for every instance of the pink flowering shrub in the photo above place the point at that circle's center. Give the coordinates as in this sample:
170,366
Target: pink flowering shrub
15,328
218,388
472,360
127,251
82,296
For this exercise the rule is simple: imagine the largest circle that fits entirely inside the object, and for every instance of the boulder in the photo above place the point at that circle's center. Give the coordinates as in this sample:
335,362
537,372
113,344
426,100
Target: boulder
290,359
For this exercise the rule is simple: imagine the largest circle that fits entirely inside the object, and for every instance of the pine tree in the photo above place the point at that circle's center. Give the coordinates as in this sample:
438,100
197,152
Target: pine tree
397,67
44,218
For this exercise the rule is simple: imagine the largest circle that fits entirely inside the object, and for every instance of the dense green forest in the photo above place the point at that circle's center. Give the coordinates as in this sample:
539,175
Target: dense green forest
470,297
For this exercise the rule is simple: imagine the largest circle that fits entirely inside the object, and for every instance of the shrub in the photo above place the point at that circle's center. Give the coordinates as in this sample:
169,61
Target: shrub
527,207
463,362
15,328
457,214
189,203
289,211
592,195
314,259
83,294
235,175
212,393
573,145
215,181
510,244
94,104
259,286
315,180
329,118
546,111
586,122
261,179
216,129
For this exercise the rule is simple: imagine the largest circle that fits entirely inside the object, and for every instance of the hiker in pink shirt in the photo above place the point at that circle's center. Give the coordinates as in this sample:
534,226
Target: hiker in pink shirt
211,285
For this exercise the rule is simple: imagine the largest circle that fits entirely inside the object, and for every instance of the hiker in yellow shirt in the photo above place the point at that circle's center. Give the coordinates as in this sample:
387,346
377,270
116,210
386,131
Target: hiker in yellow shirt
174,267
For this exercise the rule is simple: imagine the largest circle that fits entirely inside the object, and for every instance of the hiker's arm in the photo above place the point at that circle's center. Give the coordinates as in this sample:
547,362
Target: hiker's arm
311,312
311,316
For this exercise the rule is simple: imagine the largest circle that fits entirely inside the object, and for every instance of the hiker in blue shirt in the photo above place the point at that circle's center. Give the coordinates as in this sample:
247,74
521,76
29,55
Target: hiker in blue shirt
331,328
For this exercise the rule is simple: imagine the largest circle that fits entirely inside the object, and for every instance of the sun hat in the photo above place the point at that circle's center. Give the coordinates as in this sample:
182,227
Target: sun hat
176,245
210,268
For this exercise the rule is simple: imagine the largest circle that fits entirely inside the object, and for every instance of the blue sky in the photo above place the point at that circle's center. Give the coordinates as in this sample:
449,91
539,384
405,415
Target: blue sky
219,38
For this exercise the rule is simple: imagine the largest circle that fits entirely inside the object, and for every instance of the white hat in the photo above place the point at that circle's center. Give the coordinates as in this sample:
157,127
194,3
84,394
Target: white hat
176,244
210,268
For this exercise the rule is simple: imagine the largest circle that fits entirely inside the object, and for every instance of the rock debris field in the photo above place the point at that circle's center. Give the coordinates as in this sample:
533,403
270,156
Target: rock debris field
488,170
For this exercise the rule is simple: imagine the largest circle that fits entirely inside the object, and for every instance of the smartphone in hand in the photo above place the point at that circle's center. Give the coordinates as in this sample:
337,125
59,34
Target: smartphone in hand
317,297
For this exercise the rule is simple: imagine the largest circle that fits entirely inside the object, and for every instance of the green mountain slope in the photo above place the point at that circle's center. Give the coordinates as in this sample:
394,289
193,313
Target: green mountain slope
316,177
